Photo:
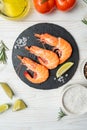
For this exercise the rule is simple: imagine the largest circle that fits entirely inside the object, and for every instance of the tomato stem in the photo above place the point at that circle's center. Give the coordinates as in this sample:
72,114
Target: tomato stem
43,1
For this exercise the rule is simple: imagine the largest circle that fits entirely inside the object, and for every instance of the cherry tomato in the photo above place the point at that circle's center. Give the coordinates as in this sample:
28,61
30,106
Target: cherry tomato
65,5
44,6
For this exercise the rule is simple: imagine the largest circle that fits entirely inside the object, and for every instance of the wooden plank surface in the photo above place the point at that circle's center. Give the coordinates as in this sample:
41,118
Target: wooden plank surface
43,107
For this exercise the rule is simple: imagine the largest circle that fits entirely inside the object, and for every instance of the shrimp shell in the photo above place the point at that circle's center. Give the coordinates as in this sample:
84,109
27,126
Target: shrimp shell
45,57
62,46
40,72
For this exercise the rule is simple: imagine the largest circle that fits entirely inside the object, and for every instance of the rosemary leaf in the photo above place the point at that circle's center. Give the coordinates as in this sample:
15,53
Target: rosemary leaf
85,1
84,21
4,57
3,49
4,46
43,1
61,114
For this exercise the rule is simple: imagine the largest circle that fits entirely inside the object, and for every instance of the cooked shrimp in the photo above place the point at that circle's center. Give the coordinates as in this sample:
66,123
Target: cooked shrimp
45,57
40,72
62,46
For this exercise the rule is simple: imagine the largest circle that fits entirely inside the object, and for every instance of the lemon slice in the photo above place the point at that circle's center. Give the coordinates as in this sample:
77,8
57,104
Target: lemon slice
4,107
19,105
64,68
7,90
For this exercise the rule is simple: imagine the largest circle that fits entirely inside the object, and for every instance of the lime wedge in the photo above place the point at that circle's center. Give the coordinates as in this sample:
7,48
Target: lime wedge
7,89
19,105
4,107
64,68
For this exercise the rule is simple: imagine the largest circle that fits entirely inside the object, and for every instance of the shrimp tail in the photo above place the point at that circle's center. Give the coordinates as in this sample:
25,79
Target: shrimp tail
30,78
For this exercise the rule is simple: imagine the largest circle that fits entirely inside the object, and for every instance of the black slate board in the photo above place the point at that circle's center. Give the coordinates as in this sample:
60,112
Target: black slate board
27,36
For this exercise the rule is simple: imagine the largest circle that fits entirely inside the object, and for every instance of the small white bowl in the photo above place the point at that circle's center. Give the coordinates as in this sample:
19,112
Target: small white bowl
74,100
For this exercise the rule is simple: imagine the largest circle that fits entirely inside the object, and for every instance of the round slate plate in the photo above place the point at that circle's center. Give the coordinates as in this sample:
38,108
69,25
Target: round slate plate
27,38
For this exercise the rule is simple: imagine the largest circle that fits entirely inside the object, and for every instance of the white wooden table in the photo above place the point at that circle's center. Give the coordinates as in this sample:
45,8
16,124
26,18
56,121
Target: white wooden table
43,105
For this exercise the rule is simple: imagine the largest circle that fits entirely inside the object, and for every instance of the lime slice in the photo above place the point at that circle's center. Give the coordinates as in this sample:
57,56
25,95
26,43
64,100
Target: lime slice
64,68
4,107
7,89
19,105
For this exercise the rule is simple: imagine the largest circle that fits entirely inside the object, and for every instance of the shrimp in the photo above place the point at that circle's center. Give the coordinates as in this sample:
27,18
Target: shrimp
45,57
62,47
40,72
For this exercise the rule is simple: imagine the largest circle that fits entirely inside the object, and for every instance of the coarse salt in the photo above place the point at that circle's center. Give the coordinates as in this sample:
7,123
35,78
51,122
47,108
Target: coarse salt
75,99
21,42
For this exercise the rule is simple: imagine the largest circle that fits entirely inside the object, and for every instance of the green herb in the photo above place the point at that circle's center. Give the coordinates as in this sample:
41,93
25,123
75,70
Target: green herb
3,49
85,1
61,114
43,1
84,21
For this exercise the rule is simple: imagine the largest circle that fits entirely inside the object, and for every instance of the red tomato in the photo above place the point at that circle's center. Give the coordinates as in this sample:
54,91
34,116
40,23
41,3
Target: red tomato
44,6
65,5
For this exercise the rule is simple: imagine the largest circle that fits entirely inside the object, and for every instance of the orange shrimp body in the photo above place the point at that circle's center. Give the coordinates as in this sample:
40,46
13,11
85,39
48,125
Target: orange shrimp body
62,46
45,57
40,72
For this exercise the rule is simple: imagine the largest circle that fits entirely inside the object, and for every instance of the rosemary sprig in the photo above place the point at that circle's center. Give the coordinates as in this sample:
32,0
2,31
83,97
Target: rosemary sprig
61,114
85,1
84,21
3,49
